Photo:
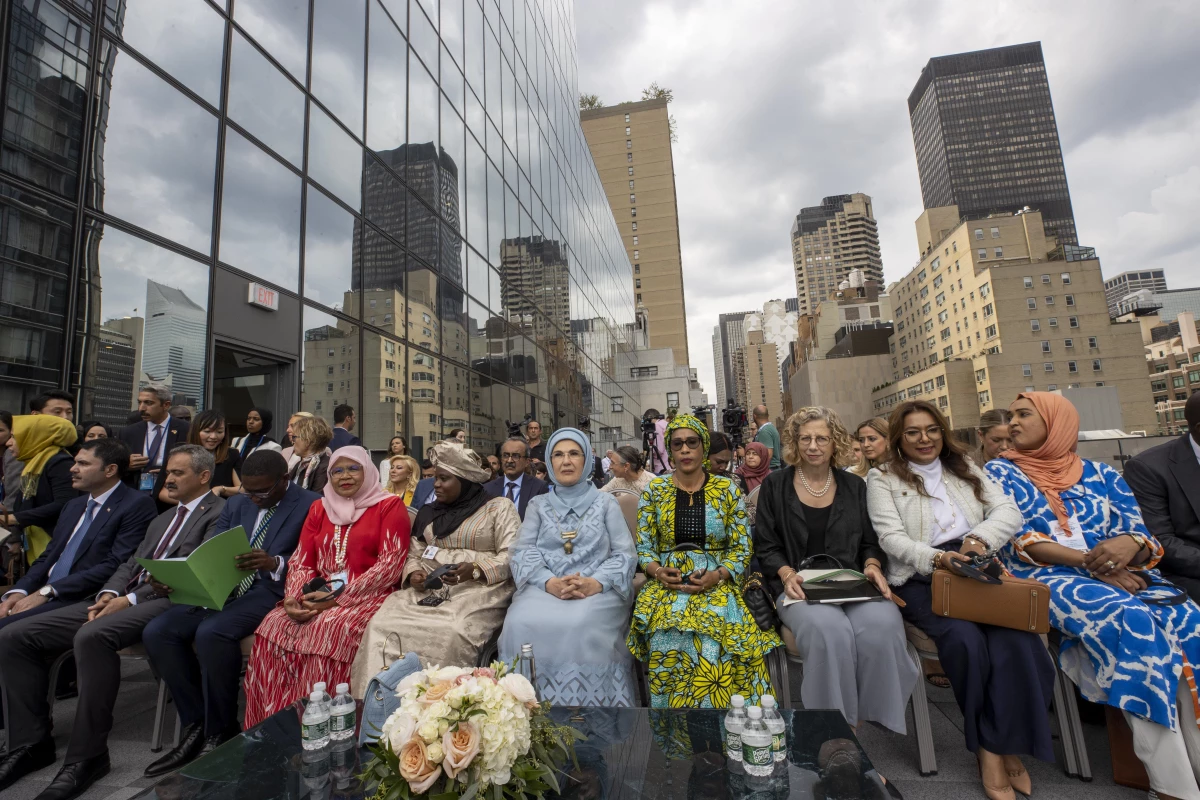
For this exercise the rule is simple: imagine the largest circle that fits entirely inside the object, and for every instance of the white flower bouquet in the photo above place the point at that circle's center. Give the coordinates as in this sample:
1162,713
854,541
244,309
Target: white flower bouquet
464,733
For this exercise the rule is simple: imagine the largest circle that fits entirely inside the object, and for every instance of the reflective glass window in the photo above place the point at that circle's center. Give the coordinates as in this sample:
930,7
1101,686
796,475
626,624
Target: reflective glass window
329,342
184,39
264,102
339,35
329,232
281,27
334,159
452,28
157,155
260,214
422,106
473,55
384,383
387,85
424,38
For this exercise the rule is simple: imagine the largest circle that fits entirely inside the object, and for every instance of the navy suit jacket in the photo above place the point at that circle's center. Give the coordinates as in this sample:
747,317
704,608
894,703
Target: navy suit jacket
119,527
343,437
134,437
424,487
283,531
530,487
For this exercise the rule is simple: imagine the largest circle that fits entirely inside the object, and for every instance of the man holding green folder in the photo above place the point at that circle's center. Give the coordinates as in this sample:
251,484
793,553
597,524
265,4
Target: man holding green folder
204,679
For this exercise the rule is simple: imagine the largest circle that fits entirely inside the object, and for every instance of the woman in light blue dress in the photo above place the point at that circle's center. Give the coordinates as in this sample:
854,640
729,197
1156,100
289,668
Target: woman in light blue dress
1130,640
573,565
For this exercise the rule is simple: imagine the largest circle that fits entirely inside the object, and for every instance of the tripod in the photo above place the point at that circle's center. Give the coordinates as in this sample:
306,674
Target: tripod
652,454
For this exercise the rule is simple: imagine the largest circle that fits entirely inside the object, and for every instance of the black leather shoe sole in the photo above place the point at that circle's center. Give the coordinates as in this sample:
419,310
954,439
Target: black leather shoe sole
39,756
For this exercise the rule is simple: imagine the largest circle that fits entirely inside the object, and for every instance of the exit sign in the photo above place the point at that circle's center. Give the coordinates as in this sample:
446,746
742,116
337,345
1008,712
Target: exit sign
263,297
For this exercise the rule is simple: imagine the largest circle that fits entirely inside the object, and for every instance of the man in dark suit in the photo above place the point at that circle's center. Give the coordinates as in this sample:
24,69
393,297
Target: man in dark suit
150,440
96,632
514,483
1166,482
343,423
197,651
94,535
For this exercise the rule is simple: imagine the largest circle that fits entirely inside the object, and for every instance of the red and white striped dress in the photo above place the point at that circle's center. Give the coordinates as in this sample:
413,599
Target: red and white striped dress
288,658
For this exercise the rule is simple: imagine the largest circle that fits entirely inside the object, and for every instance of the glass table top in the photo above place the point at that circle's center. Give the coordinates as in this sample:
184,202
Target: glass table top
628,753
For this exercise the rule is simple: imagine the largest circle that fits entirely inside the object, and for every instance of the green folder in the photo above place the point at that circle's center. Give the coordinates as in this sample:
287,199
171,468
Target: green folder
207,576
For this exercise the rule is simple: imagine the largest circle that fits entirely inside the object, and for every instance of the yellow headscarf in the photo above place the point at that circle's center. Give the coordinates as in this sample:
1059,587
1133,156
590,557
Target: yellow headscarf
39,438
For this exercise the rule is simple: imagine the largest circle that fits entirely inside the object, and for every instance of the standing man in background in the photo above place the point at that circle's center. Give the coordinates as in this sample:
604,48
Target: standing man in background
768,435
533,434
150,440
56,403
343,423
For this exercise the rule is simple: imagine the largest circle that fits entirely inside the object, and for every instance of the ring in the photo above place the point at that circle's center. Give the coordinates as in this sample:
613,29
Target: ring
1110,564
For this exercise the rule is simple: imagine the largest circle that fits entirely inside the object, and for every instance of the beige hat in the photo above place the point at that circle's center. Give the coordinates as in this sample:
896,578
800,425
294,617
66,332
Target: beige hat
451,456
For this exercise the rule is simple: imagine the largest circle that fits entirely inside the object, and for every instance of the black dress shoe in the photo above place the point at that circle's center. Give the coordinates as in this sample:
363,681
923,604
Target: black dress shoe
190,742
20,761
75,779
217,739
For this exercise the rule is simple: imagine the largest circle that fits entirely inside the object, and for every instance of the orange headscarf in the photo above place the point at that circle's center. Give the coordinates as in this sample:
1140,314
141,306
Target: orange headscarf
1054,466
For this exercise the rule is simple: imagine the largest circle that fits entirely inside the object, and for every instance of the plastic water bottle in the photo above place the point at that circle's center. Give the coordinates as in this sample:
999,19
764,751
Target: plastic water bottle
342,713
314,725
756,745
777,727
320,686
735,720
527,665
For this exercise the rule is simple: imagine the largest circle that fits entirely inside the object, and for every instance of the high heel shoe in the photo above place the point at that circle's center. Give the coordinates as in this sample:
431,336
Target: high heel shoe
993,792
1019,779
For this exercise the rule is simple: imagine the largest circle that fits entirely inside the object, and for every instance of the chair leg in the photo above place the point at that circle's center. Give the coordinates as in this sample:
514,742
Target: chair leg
778,670
160,714
920,706
1065,731
1072,708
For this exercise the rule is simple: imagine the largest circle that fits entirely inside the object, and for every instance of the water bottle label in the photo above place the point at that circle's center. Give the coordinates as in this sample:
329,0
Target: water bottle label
733,743
315,731
756,755
779,746
341,722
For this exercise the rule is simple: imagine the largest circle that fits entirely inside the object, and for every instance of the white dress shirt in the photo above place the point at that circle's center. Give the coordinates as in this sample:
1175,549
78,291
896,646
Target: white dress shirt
519,480
191,507
949,522
1195,447
152,431
277,573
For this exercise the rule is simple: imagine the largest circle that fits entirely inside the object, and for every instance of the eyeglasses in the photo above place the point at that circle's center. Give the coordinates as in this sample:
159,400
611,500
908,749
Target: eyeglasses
820,441
337,472
914,434
267,493
512,456
691,443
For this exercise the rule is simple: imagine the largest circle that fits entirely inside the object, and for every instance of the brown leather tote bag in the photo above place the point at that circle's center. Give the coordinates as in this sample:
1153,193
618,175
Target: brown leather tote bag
1018,603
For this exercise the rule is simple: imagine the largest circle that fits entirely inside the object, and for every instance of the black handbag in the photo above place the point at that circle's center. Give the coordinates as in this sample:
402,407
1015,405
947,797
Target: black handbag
759,601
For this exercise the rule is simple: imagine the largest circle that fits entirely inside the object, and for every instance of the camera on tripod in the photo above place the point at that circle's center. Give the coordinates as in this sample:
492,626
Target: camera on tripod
655,460
514,428
733,422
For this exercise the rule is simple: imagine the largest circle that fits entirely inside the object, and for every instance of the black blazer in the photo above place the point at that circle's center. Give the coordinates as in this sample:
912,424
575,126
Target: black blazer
134,437
53,492
1166,482
781,536
119,526
530,487
283,531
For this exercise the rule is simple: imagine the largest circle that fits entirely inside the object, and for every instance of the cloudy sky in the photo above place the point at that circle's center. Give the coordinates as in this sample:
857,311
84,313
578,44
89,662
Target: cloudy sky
780,103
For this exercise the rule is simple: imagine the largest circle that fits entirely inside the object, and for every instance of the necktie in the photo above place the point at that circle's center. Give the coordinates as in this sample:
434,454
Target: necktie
139,577
62,567
511,494
260,536
155,443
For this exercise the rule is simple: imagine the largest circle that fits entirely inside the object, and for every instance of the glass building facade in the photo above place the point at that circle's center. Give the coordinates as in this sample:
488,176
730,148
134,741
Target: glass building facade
987,139
302,203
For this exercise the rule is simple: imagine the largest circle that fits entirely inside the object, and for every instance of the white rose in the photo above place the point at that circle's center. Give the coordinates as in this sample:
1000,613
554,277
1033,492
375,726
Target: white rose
409,681
428,731
398,730
438,710
519,687
447,674
434,751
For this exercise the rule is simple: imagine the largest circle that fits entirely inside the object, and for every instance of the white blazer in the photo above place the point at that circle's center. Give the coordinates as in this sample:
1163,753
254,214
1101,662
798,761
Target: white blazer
903,518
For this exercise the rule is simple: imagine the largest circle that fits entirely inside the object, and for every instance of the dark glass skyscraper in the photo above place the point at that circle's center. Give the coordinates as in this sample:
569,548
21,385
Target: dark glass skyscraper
986,136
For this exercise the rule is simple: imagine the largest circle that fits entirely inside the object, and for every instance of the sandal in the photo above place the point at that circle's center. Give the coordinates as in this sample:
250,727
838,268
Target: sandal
938,679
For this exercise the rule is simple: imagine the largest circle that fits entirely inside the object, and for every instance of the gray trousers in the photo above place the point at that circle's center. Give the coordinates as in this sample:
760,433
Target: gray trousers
855,659
28,647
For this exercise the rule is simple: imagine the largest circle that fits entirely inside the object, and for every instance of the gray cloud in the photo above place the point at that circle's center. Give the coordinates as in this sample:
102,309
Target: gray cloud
780,104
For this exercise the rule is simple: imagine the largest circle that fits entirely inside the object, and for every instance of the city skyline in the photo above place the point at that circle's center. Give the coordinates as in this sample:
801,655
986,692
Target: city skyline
760,138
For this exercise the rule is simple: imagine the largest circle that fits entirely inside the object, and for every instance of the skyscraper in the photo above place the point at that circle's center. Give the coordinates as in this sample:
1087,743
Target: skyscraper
731,329
631,145
1118,286
173,350
830,240
987,139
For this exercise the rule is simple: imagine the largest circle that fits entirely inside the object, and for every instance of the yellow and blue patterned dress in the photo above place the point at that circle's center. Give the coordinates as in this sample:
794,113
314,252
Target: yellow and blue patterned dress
701,648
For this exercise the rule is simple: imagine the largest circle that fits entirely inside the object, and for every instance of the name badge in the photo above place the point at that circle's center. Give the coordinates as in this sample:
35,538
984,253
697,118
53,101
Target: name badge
1072,538
146,482
337,580
430,552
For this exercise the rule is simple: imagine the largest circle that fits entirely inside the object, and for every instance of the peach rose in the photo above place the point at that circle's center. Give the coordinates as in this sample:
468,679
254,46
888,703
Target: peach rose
416,768
485,672
460,747
436,692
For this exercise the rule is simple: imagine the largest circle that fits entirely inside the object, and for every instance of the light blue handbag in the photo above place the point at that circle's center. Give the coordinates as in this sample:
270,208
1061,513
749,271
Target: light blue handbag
380,699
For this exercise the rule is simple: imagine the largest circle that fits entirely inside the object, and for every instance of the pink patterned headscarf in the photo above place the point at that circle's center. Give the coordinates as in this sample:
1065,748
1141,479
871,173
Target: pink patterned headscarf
345,510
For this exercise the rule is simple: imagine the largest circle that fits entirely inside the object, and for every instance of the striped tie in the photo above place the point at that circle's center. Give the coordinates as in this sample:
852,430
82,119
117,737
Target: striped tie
260,535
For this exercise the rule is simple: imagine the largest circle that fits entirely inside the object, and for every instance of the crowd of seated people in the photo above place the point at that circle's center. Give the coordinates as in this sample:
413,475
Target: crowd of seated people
355,561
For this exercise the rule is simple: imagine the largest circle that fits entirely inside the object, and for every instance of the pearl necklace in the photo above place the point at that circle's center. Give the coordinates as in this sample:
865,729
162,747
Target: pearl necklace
809,489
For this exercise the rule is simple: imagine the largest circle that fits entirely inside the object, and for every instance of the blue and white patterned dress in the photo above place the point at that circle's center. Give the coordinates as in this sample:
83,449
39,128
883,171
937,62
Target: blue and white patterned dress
1119,650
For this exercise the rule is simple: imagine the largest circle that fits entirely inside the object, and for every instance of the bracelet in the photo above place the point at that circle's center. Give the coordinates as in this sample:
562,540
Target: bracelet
654,575
937,559
976,539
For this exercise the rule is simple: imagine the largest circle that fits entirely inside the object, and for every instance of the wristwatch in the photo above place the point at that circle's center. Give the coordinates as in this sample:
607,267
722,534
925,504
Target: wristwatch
46,592
476,573
1141,540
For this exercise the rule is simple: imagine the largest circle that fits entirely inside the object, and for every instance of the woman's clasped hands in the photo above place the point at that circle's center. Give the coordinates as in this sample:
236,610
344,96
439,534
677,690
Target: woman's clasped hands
573,587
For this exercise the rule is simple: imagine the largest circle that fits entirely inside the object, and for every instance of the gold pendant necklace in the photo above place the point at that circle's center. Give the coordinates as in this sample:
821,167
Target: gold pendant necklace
569,541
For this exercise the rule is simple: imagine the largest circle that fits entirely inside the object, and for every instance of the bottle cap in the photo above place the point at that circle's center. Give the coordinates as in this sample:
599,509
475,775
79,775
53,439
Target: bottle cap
319,686
343,688
755,712
737,701
315,697
767,701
